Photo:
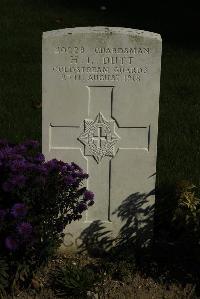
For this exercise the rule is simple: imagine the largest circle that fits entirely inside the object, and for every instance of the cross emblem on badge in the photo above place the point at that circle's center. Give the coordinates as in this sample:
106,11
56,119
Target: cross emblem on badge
99,137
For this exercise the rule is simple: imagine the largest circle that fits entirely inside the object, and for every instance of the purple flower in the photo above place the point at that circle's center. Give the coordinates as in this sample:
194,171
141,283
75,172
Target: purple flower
11,243
30,166
69,180
17,165
1,155
18,180
61,163
6,152
20,148
88,195
70,167
24,229
7,186
82,207
76,167
14,156
82,175
74,174
39,158
2,214
52,164
19,210
41,168
64,168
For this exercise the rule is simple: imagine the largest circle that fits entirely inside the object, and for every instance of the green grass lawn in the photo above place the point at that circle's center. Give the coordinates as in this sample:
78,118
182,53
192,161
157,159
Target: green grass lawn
21,26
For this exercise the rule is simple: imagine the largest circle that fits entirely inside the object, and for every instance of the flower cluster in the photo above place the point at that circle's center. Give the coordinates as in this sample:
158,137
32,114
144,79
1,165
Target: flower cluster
37,198
2,214
19,210
21,230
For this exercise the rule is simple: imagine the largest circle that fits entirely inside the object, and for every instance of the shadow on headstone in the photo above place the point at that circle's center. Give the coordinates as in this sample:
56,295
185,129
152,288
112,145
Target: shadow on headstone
96,239
137,215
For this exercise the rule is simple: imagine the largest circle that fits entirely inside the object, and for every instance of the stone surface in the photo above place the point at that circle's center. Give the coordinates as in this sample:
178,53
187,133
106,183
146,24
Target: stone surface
100,110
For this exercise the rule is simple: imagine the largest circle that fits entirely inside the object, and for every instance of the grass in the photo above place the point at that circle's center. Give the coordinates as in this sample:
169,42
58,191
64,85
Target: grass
118,280
178,140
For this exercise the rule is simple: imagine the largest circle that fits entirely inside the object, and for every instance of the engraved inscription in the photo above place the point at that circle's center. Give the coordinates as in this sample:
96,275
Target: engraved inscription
99,137
68,240
102,64
135,50
69,50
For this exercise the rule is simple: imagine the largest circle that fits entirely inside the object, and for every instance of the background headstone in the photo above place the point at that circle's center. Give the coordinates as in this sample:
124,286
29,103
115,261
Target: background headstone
100,110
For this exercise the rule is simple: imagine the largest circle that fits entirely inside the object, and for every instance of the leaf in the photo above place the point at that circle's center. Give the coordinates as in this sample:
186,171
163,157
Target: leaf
3,277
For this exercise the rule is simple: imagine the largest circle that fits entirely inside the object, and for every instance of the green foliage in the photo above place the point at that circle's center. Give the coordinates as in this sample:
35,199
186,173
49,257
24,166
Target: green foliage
119,270
187,212
23,273
185,224
74,280
3,276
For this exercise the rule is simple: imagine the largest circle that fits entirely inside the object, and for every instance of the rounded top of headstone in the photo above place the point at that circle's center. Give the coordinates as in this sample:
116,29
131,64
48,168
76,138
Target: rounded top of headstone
102,29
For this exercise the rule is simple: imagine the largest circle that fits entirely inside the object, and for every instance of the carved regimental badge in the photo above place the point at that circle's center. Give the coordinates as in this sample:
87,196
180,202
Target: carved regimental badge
99,137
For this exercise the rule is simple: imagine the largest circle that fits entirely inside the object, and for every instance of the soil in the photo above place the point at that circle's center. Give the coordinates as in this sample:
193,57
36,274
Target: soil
120,280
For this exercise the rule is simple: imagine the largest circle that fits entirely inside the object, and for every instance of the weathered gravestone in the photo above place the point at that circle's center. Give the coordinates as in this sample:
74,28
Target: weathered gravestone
100,110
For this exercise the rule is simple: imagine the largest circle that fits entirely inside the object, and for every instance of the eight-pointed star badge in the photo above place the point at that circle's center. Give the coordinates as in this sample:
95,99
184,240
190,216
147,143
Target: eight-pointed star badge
99,137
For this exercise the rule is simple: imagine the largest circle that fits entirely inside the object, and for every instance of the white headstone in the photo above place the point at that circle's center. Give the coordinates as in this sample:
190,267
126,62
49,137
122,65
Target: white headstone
100,110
